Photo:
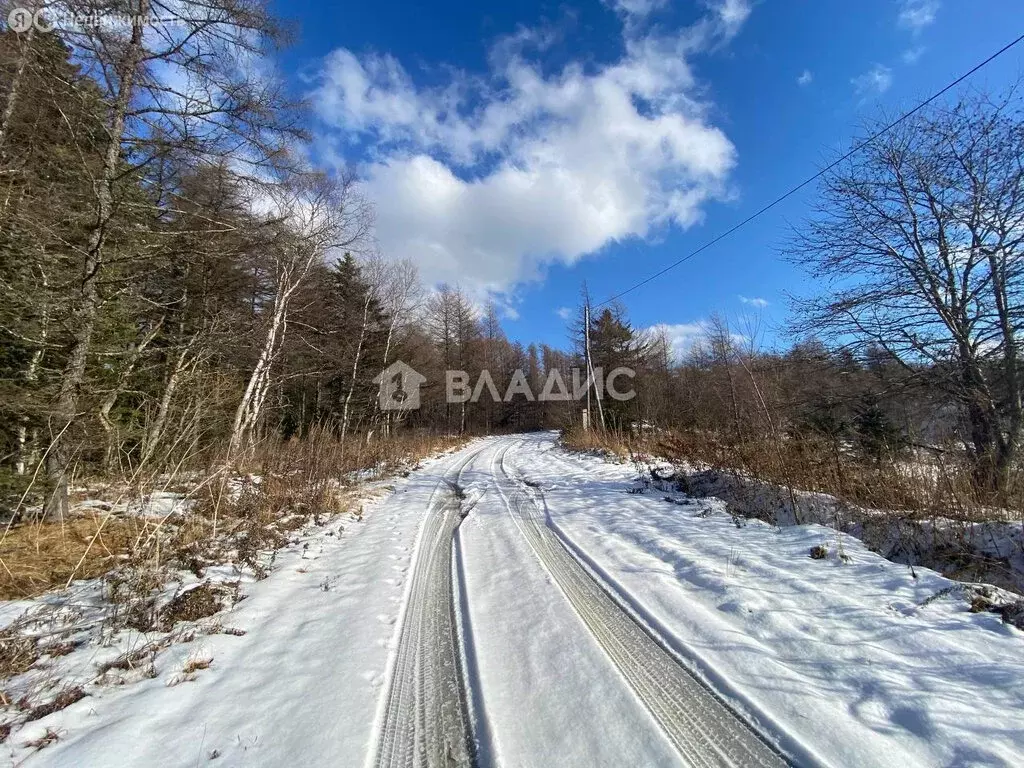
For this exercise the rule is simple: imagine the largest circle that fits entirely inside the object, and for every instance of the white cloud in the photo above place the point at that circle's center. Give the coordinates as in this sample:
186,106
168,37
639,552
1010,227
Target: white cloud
683,338
564,312
638,8
732,13
912,55
915,15
484,181
805,78
728,16
874,82
754,302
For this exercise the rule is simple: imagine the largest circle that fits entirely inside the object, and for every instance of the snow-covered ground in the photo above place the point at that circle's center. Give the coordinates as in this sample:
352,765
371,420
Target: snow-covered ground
300,687
959,546
578,602
859,660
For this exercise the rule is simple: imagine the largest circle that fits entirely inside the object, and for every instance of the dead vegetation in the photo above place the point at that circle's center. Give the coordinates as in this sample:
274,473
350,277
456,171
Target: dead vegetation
819,552
36,557
49,737
604,442
197,603
138,658
17,652
933,485
226,513
196,664
926,512
62,700
238,515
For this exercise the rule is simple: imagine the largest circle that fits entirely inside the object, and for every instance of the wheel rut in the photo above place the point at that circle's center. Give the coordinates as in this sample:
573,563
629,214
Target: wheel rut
425,722
699,724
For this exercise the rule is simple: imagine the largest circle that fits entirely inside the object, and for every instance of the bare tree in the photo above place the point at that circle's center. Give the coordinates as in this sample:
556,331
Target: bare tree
312,216
397,288
454,326
920,236
187,82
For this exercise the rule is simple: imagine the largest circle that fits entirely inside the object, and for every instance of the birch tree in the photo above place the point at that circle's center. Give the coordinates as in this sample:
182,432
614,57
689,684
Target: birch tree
312,217
400,295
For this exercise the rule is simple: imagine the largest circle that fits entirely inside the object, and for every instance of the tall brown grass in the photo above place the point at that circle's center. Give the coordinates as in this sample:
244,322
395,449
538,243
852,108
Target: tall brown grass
933,483
232,509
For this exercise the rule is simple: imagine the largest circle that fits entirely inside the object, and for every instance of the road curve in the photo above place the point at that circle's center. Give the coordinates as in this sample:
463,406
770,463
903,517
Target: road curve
425,721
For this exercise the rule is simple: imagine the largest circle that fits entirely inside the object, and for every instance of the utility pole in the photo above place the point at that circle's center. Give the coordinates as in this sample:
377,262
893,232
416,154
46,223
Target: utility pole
590,364
586,357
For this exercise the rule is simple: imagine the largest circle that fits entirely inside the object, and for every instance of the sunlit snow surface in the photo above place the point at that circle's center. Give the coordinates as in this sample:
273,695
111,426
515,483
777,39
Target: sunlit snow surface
840,662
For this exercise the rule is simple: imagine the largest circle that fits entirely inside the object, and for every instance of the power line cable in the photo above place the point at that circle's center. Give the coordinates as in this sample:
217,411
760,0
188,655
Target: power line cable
815,177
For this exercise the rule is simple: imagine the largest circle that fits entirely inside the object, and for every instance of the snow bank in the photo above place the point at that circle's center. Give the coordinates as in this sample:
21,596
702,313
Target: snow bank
990,551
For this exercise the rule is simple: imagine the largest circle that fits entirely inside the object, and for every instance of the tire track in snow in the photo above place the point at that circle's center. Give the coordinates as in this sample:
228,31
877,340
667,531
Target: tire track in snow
425,720
700,726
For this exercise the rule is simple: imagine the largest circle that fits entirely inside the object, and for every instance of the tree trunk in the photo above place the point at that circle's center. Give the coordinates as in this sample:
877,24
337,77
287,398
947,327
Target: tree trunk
355,367
26,448
156,430
1007,452
986,439
88,299
986,446
378,414
111,399
248,412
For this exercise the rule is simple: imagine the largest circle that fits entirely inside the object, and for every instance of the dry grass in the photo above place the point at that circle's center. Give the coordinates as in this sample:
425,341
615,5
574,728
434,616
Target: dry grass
45,740
134,659
596,441
194,665
62,700
197,603
35,557
938,485
17,653
300,480
319,456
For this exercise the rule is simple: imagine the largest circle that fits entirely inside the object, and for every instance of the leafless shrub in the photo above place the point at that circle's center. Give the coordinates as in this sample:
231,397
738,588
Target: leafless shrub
596,441
195,664
49,737
197,603
134,659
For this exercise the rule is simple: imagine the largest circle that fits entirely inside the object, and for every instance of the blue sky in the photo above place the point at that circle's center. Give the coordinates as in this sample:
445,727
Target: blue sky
518,149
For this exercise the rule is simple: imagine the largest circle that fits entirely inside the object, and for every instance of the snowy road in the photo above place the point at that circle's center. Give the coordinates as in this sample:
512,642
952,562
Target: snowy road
425,718
424,722
700,726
